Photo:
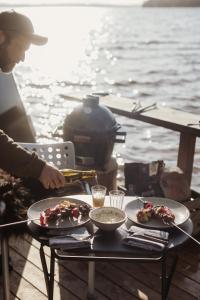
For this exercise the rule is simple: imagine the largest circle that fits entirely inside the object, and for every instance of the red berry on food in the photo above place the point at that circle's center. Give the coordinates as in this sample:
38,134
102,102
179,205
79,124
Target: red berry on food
148,204
75,212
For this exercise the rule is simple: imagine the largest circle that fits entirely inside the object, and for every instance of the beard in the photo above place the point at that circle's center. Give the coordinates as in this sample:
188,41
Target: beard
7,69
6,64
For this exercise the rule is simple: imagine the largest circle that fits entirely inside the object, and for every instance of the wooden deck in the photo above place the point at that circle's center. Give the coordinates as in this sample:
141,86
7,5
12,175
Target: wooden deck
115,281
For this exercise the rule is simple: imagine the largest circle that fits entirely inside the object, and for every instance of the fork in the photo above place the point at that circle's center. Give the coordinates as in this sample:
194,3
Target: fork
179,228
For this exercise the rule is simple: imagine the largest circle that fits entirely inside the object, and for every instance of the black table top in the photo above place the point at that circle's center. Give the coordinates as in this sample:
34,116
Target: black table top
111,242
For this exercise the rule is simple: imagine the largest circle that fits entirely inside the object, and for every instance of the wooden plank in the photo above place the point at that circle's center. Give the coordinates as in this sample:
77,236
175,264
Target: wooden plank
152,280
35,276
189,270
24,289
104,287
166,117
113,280
191,287
191,256
172,119
129,281
66,275
33,272
12,296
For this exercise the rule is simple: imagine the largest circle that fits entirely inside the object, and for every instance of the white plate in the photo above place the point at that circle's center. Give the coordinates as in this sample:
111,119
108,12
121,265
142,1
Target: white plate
65,223
180,211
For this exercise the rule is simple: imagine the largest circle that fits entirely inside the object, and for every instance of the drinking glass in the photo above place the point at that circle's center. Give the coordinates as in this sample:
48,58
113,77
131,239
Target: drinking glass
98,195
116,198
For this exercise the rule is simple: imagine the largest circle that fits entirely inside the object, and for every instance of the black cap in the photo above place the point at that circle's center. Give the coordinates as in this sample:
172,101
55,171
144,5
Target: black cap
13,21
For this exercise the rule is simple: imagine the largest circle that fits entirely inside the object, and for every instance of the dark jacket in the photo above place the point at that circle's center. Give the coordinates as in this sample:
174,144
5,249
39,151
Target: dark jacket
17,161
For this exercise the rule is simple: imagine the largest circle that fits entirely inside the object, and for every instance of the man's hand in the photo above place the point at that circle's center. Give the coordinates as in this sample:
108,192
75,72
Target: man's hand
51,177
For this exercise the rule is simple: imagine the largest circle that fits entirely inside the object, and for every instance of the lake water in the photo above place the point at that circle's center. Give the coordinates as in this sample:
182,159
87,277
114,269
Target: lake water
146,54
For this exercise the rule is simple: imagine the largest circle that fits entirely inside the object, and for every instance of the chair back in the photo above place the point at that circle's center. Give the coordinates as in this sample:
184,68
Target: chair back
62,154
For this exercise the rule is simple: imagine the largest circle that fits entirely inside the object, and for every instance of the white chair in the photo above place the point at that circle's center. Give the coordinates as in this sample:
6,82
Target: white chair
62,155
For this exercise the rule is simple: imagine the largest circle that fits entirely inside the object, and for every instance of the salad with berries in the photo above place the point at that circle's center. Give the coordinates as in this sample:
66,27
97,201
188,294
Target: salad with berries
150,211
62,211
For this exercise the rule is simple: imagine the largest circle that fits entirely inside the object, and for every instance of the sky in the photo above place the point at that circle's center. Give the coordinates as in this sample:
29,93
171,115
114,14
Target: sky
86,2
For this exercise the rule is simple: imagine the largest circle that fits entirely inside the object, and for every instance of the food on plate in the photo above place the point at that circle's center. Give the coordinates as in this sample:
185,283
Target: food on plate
63,210
159,211
164,213
145,214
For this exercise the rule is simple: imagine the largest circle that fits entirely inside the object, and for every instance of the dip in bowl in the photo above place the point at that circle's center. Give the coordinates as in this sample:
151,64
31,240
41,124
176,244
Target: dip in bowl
107,218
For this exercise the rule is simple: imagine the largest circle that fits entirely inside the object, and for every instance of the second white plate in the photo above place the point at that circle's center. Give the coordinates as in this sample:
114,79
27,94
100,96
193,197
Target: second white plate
180,211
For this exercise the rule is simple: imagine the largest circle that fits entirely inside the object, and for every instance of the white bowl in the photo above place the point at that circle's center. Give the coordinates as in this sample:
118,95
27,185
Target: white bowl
107,218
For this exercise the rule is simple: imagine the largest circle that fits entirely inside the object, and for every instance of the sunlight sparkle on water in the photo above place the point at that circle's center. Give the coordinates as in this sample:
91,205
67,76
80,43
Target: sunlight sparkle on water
70,48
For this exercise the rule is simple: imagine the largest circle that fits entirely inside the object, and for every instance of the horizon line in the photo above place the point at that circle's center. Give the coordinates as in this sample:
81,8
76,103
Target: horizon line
68,4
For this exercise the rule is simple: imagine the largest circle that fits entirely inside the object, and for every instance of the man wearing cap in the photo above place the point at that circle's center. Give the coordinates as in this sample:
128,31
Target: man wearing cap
16,36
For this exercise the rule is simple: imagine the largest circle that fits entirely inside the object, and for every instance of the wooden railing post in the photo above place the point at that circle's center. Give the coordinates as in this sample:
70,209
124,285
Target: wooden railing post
186,154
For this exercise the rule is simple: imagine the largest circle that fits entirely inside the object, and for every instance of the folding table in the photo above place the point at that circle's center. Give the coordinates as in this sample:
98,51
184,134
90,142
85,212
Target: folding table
109,247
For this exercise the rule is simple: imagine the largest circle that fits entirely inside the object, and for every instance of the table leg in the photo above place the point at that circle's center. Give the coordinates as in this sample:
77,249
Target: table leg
171,273
167,278
48,276
91,279
5,267
44,267
51,275
163,279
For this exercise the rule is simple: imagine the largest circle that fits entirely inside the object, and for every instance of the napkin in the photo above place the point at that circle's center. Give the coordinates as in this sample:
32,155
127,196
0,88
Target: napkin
72,240
146,239
68,243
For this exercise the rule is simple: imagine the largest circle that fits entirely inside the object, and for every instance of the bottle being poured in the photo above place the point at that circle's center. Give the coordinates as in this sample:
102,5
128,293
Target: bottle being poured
72,175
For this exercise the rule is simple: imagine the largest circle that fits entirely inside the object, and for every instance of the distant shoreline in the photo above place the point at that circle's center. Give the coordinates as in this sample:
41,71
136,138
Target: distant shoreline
148,3
170,3
66,4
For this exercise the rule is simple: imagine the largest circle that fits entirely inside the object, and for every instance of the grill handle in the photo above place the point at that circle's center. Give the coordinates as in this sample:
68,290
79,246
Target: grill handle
122,135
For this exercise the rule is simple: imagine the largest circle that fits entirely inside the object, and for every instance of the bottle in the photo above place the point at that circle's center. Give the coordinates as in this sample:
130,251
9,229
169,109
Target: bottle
71,175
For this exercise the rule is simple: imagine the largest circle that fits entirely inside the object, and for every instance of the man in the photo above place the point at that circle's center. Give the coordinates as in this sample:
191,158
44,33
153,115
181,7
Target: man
16,36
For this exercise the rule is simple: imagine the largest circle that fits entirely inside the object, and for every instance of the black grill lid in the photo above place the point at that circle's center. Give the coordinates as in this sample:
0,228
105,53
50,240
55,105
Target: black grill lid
91,118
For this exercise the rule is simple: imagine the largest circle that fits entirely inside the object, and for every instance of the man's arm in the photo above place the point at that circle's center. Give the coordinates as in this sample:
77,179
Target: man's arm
19,162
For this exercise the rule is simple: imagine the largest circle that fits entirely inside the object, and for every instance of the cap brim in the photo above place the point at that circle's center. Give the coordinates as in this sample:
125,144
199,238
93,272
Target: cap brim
38,39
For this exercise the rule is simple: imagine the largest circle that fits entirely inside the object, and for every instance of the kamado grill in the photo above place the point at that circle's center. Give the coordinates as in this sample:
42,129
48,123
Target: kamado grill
93,130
